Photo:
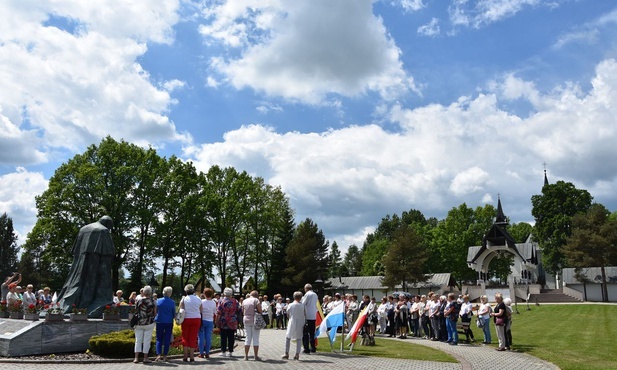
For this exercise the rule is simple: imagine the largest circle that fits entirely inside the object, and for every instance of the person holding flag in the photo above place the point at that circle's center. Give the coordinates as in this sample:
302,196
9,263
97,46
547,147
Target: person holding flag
331,323
310,305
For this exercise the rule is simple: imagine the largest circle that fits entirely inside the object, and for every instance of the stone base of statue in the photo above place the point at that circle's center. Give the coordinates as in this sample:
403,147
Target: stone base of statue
31,316
25,338
16,315
78,317
54,317
111,316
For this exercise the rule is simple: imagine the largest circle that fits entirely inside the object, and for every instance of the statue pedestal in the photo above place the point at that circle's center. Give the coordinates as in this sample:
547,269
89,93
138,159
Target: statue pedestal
78,317
54,317
111,317
31,316
16,315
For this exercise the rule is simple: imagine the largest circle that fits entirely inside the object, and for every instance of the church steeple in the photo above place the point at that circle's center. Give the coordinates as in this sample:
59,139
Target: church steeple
501,218
545,177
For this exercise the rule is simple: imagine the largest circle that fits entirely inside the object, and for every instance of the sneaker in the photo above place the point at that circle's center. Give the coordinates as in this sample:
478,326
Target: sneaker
223,354
229,354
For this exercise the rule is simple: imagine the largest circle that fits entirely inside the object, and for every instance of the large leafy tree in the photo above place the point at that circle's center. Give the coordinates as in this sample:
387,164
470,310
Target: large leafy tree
105,180
553,211
307,256
8,247
593,242
405,259
227,205
462,228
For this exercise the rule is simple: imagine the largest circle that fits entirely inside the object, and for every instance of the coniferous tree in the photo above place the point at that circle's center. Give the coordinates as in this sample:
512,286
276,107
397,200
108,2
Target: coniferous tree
307,256
8,246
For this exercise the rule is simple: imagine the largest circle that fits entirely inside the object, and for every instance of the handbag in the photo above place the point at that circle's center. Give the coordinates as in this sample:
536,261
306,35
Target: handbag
259,321
134,320
500,321
480,322
180,316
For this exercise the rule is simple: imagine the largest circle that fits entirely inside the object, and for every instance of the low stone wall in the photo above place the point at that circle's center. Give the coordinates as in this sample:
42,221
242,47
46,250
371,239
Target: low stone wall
23,338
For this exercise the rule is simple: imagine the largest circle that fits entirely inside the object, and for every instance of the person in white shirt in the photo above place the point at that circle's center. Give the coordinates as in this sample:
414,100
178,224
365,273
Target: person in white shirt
466,314
295,330
310,305
382,315
280,308
118,297
265,310
29,298
353,310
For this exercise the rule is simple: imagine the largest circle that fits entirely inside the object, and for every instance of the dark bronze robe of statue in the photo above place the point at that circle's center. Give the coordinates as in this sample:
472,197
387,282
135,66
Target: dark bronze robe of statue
89,282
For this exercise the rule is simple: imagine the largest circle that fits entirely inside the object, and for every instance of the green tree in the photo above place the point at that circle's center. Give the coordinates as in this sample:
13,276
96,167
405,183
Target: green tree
226,202
8,247
553,211
307,256
352,262
372,256
462,228
593,242
520,231
334,261
105,180
405,259
283,236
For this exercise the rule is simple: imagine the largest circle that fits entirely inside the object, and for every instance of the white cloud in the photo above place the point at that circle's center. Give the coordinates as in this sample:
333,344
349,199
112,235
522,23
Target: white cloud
469,181
444,155
589,33
69,69
480,13
17,192
286,53
430,29
410,5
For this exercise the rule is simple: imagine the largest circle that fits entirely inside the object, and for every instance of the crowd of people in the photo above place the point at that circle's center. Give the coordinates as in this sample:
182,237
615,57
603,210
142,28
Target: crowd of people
13,294
431,317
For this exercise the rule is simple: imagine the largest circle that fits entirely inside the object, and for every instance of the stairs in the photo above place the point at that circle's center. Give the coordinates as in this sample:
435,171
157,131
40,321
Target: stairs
552,296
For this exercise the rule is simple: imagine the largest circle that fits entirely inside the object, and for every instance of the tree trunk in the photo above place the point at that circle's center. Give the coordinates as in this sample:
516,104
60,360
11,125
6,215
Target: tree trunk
604,287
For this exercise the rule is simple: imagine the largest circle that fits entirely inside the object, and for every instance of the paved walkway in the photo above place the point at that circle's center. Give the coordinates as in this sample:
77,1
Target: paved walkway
272,342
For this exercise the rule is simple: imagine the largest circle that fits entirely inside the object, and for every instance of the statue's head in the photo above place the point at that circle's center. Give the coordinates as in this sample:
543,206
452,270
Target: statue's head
107,222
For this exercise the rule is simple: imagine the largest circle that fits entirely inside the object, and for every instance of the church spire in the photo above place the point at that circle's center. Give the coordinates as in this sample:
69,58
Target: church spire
501,218
545,177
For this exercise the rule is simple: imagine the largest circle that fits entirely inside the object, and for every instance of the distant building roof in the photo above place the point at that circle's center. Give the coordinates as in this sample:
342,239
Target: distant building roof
374,282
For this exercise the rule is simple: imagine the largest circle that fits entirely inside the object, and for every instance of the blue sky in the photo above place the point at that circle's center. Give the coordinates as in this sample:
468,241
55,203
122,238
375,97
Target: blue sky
356,108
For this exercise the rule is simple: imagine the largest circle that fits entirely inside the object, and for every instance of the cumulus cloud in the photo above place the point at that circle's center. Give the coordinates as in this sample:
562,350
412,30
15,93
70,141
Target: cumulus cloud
444,155
69,69
306,50
17,192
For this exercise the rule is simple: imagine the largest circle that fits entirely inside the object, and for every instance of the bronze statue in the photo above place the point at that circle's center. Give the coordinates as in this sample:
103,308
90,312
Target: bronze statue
89,282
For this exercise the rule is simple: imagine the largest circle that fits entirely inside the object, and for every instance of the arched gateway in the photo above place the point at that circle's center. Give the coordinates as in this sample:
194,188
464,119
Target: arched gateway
525,269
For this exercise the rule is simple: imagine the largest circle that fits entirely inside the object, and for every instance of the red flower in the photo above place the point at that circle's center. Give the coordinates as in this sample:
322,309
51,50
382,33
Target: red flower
31,306
3,302
73,304
108,307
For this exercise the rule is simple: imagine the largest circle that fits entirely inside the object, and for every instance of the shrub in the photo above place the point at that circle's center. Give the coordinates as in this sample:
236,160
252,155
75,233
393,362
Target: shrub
121,344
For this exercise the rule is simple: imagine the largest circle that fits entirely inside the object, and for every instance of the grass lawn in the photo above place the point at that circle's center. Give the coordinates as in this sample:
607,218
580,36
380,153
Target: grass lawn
578,336
572,336
390,349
